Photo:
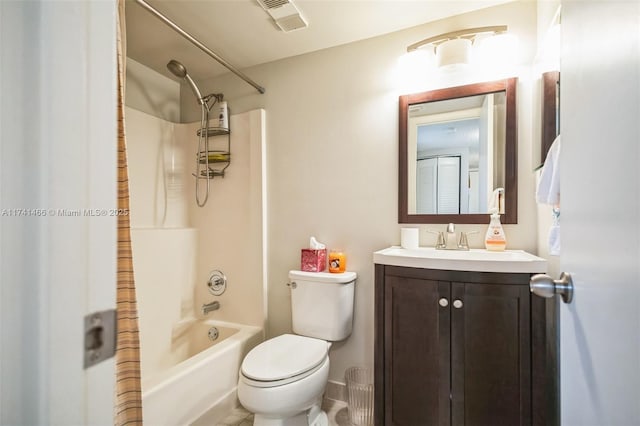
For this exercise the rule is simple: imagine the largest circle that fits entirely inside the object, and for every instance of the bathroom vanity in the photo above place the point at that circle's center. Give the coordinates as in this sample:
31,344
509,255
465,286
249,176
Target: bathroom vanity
460,340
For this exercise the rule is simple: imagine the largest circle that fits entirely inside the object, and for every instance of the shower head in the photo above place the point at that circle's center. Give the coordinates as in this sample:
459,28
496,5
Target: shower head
180,71
177,68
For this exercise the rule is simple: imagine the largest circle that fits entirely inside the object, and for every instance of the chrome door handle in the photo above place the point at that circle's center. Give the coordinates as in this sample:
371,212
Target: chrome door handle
544,286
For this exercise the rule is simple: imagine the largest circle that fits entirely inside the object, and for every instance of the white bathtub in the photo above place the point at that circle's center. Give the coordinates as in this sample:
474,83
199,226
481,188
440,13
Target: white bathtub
198,380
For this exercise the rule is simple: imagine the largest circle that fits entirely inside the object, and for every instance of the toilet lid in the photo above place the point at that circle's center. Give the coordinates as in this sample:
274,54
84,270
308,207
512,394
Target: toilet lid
284,356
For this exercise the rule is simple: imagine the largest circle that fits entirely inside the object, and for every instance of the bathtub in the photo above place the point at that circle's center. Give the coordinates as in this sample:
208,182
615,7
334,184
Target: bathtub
196,382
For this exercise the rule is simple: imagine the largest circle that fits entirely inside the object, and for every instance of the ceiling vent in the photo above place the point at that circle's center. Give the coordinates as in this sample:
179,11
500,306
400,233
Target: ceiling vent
285,14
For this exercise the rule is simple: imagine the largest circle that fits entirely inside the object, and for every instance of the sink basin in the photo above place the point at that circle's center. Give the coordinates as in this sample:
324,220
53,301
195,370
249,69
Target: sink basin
475,260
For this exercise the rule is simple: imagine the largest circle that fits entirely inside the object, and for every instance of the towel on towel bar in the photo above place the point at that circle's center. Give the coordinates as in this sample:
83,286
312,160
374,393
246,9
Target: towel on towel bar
548,191
554,234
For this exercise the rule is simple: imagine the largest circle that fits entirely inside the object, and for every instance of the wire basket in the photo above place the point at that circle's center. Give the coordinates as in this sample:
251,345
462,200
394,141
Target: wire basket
359,395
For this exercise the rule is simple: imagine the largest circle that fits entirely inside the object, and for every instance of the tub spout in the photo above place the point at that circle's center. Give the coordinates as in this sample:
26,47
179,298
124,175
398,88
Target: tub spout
208,307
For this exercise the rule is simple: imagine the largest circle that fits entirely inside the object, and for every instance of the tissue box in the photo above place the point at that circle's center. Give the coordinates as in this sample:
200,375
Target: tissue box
313,260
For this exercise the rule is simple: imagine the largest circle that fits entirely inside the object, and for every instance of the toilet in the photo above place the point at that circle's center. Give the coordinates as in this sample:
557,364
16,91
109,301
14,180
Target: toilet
282,379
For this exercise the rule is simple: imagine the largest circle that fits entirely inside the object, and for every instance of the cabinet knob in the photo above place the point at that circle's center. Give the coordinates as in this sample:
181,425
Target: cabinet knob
457,303
443,302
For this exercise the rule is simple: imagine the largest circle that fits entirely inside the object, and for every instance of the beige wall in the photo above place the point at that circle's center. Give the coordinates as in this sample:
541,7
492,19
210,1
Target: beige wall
332,131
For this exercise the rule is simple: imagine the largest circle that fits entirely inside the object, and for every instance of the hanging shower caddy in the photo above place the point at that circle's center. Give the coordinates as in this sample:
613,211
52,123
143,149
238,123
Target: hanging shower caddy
210,162
215,161
214,150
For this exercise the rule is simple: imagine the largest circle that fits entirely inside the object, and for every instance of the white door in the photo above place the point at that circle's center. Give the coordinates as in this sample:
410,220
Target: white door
438,185
426,189
57,160
600,222
448,185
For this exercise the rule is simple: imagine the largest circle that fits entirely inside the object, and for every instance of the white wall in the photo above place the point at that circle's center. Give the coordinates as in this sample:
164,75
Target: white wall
151,92
332,127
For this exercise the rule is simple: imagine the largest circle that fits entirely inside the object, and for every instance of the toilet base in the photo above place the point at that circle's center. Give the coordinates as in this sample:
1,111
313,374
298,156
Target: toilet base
311,417
321,419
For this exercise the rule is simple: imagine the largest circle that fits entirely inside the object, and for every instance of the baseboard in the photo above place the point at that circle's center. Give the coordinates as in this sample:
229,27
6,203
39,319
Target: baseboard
336,391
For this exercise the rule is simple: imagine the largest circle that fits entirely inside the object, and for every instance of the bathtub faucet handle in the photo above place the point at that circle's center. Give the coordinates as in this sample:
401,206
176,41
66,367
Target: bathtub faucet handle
217,282
208,307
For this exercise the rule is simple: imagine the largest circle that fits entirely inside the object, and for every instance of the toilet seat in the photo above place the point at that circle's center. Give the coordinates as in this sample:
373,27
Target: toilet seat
283,359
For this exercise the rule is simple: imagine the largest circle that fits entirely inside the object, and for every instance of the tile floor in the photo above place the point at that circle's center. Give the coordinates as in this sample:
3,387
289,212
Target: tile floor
336,410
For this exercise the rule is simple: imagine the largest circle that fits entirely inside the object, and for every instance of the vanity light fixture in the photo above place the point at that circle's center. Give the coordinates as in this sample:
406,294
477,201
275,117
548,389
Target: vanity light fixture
454,48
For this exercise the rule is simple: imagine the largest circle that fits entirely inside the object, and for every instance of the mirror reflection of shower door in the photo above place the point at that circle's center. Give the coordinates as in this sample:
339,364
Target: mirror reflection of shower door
438,183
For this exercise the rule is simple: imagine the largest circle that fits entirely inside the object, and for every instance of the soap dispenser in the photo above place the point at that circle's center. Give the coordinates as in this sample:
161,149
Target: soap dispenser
495,240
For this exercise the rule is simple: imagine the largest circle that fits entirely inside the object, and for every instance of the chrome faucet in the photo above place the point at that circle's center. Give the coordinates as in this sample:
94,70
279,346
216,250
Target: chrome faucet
447,239
450,238
463,244
208,307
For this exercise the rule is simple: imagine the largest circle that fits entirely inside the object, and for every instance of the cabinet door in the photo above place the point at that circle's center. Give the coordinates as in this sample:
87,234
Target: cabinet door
490,355
417,354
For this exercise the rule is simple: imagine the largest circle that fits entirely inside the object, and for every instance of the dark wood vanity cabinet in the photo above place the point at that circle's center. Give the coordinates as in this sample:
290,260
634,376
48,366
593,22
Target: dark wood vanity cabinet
457,348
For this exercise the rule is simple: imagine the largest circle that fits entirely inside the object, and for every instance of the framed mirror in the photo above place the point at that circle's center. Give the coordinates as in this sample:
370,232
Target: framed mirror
456,146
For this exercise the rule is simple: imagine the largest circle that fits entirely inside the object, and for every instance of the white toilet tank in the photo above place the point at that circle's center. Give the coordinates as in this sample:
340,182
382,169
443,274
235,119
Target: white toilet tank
322,304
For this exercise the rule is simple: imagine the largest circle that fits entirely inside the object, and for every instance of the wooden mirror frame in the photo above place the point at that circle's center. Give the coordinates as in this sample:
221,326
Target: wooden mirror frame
550,110
511,152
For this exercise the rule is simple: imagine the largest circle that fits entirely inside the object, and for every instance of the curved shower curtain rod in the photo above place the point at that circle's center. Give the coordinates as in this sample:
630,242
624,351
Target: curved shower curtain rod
198,44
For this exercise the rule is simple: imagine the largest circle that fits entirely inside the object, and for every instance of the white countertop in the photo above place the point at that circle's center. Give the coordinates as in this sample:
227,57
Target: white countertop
474,260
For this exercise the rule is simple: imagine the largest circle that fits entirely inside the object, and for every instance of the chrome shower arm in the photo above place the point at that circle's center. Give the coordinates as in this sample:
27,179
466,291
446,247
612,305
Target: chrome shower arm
194,89
198,44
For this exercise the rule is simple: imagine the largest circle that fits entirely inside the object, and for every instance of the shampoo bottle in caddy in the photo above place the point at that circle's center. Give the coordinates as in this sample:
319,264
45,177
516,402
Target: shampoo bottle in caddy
223,115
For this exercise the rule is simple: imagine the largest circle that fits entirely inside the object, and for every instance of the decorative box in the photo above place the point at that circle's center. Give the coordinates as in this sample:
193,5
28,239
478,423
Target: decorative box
312,260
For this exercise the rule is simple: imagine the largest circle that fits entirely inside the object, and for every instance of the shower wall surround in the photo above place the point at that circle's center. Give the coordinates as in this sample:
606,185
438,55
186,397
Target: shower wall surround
158,172
232,225
176,243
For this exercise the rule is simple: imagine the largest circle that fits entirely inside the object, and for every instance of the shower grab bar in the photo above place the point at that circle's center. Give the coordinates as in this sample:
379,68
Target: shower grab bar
198,44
